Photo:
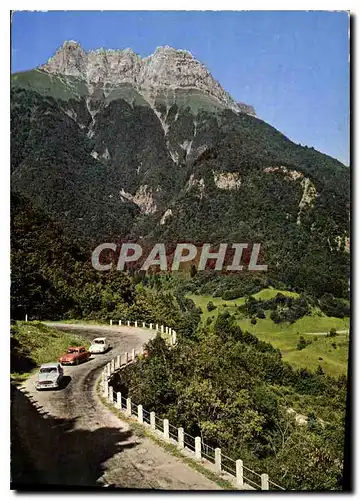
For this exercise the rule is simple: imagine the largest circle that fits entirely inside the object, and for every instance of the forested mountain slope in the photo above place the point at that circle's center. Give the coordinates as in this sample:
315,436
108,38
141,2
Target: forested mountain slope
115,147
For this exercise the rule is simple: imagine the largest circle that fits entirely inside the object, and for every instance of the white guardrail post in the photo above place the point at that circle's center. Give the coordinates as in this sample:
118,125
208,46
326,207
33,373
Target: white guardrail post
119,322
239,473
198,448
264,481
143,324
111,395
118,400
152,420
180,438
166,428
140,414
218,459
128,407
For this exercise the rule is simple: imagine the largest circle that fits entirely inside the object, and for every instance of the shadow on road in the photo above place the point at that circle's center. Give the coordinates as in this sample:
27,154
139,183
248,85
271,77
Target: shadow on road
65,382
49,452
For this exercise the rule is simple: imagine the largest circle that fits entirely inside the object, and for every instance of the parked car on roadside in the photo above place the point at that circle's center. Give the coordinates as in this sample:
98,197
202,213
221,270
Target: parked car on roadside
74,356
99,345
50,376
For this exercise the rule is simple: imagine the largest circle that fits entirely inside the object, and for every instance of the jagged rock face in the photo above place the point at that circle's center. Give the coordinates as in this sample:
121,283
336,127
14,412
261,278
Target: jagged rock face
167,68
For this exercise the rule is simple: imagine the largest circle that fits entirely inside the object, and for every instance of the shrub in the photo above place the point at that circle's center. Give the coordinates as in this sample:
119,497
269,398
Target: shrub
261,314
210,306
274,315
301,344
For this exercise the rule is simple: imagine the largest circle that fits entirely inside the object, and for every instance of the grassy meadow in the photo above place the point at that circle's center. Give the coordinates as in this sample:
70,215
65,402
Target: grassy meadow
330,353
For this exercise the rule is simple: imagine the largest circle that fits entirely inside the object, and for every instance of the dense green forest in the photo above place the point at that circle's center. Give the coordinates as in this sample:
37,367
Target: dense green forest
52,278
292,199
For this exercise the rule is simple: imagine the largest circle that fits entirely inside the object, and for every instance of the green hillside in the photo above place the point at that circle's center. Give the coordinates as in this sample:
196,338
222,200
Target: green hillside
285,336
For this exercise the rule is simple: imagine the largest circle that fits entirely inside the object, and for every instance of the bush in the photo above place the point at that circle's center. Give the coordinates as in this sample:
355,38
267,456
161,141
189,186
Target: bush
253,321
232,294
301,344
332,333
210,306
261,314
275,316
332,306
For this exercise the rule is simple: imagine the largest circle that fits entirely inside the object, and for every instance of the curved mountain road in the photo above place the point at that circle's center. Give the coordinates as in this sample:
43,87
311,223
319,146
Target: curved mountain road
71,439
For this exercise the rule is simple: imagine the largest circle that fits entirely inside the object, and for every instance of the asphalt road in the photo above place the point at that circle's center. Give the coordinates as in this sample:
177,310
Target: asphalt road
70,439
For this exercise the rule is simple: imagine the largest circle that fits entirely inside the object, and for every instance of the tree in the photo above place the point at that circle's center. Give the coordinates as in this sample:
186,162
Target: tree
210,306
301,344
332,333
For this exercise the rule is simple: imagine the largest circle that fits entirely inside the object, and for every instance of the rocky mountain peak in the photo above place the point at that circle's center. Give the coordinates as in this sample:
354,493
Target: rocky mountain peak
167,68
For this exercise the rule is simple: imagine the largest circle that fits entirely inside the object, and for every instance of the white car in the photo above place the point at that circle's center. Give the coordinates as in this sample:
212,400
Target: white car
99,345
50,376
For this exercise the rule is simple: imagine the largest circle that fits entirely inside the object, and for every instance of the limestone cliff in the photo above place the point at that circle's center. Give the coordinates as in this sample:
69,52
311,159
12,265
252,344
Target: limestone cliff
166,69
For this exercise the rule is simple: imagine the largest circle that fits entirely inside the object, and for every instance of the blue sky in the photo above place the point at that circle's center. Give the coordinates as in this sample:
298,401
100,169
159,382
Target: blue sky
293,67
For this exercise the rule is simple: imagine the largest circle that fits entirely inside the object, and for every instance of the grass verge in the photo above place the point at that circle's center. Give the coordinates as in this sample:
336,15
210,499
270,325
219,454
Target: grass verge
33,343
141,431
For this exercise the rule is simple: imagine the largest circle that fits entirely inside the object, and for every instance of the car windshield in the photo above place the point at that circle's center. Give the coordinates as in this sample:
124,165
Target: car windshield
72,351
48,369
99,342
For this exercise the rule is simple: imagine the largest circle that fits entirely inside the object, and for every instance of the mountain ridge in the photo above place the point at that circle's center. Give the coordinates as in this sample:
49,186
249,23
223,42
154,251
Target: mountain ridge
167,68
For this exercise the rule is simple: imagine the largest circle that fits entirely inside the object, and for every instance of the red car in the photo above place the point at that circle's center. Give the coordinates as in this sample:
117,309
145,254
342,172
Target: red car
74,356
